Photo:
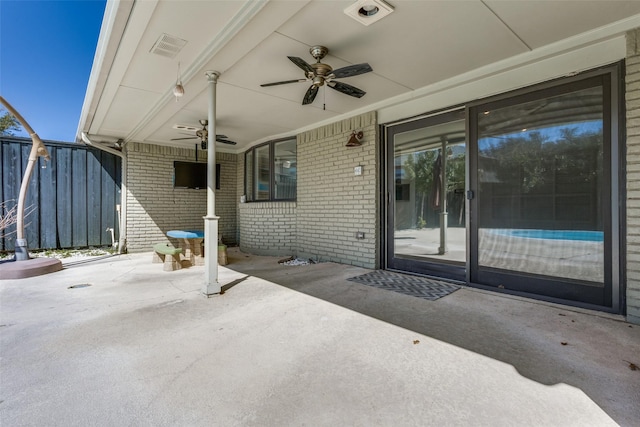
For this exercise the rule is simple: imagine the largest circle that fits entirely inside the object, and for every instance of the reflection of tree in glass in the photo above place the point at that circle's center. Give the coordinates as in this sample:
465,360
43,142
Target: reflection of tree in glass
455,171
419,169
535,161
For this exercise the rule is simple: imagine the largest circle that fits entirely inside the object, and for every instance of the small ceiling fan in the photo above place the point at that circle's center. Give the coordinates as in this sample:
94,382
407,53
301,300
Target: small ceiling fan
320,74
203,135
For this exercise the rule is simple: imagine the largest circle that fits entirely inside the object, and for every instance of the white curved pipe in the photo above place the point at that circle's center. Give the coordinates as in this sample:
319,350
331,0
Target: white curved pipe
122,241
113,239
37,149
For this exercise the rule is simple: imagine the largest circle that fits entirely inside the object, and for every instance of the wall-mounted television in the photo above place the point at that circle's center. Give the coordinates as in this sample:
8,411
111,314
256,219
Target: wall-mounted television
192,175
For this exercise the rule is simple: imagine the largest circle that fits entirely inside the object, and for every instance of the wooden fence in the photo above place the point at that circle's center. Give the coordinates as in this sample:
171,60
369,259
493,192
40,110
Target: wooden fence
73,197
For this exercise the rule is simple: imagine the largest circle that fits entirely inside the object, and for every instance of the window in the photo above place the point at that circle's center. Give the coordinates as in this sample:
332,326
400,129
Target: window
271,171
262,173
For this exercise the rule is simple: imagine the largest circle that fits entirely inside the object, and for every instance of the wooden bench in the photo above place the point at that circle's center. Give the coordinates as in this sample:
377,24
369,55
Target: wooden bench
170,256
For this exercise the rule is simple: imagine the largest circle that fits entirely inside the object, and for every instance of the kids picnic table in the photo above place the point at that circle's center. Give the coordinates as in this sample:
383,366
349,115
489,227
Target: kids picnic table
191,242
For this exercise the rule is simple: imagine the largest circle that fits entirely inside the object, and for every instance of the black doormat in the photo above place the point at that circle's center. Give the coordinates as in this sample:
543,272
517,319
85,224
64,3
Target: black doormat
414,286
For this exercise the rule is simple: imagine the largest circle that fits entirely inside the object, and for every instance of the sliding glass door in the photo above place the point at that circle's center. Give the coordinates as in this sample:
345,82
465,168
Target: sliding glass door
520,193
426,230
542,208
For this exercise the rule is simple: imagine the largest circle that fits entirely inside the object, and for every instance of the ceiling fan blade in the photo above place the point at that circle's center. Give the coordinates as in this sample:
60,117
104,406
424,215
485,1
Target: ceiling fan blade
302,64
204,133
283,82
352,70
180,139
310,95
347,89
226,141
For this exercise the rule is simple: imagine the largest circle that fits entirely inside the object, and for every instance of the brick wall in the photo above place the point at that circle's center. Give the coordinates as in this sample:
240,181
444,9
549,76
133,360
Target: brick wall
333,203
632,81
239,191
154,206
227,197
268,228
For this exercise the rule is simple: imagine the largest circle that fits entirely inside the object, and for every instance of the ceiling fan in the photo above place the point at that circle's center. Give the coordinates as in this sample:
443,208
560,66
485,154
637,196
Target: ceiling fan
203,134
321,74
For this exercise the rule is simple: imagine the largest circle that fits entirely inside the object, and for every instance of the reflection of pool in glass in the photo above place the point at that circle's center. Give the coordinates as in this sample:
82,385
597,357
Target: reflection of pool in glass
571,254
581,235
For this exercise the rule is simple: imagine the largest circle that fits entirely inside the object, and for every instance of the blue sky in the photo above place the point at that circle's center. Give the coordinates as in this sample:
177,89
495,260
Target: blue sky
46,53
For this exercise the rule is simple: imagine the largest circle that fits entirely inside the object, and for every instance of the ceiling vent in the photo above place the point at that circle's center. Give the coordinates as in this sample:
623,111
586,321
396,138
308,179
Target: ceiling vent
168,46
367,12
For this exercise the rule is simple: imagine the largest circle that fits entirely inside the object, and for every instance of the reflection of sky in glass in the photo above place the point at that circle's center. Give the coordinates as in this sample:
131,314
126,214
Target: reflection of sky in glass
549,134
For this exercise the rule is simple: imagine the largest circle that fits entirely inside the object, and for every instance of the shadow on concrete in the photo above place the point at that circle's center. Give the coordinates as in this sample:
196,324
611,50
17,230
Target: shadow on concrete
545,342
230,285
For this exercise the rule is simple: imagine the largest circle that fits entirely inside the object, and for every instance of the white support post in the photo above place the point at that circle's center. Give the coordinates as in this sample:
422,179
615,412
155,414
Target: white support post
211,285
443,199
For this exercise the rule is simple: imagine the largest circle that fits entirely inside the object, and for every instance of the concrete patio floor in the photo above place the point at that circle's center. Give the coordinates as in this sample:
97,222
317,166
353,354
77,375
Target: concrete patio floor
294,346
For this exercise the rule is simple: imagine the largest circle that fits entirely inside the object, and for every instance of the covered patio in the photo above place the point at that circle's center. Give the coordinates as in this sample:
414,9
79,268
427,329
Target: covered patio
276,91
300,345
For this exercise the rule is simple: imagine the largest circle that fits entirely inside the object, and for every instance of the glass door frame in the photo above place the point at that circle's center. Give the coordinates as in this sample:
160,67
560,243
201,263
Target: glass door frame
604,299
428,267
612,77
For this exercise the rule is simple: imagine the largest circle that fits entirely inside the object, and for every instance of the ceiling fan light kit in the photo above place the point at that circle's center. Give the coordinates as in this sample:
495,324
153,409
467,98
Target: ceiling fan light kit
178,89
367,12
320,74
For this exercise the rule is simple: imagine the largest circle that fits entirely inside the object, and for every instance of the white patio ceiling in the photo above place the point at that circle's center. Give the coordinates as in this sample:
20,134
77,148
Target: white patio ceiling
421,43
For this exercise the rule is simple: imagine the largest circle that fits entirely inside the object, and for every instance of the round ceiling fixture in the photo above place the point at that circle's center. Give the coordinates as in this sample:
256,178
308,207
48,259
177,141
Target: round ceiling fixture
368,10
178,89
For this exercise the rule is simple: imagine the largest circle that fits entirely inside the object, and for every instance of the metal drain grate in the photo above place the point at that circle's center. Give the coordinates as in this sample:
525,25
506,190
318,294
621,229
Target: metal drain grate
81,285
